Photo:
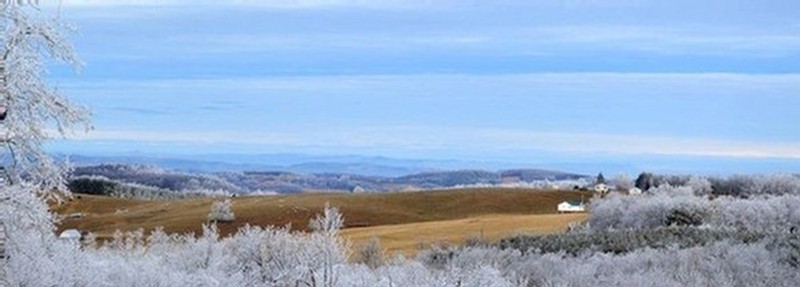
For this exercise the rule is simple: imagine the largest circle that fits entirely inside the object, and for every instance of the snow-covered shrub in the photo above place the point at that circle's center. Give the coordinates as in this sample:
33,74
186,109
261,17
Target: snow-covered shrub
762,213
719,264
623,183
628,240
749,185
666,206
329,222
650,210
700,185
438,256
371,254
221,211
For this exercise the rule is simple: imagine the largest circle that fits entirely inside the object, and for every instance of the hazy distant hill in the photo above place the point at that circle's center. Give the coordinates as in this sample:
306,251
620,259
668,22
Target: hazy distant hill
348,164
374,166
239,182
449,178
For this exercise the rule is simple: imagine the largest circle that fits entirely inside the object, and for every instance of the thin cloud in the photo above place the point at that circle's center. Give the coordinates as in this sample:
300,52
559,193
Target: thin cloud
674,40
359,30
542,42
467,140
283,4
674,114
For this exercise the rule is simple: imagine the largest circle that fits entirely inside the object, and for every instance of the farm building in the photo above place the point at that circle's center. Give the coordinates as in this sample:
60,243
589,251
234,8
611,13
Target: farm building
601,188
70,235
571,206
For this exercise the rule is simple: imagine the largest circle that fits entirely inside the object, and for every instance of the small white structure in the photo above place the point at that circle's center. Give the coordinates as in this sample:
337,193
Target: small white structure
571,206
601,188
634,191
70,235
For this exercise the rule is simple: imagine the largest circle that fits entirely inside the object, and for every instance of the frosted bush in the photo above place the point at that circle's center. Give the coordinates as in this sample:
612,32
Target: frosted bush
765,213
221,211
329,222
646,211
371,254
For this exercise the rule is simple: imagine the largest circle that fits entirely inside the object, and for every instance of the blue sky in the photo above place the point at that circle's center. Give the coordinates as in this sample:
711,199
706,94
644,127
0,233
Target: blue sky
474,80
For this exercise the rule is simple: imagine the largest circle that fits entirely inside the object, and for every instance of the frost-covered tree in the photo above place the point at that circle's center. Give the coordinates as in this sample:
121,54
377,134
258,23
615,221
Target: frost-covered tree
623,183
221,211
700,185
329,222
326,228
600,179
645,181
35,112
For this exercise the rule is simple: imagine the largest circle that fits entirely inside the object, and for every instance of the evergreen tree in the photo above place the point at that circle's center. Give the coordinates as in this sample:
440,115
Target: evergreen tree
645,181
600,179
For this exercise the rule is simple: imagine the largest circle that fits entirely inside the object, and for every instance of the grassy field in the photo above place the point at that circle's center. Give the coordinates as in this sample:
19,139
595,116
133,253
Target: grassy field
445,215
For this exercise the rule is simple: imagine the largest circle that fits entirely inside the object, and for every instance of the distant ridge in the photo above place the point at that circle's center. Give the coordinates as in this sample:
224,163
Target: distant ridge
372,166
104,178
302,164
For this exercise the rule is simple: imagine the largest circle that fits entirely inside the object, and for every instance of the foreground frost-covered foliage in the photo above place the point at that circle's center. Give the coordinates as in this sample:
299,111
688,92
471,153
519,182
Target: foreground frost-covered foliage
278,257
252,257
730,254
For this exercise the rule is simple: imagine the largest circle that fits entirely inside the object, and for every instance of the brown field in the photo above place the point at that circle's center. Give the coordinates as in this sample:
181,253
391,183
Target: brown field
402,220
407,239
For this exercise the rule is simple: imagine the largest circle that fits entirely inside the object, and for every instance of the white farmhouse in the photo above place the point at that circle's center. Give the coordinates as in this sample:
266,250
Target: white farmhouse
601,188
70,235
571,206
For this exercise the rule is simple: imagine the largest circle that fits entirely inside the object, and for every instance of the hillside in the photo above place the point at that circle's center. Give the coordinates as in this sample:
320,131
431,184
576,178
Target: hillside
152,182
104,215
409,238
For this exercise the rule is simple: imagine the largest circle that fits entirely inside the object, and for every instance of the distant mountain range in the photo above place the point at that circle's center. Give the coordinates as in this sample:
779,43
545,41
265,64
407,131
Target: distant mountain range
372,166
296,163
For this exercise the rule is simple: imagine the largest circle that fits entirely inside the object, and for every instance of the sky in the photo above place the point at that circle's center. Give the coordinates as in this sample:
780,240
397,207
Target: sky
519,81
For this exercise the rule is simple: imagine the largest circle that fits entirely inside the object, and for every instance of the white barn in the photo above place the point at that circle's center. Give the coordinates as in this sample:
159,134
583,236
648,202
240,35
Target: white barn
571,206
70,235
601,188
